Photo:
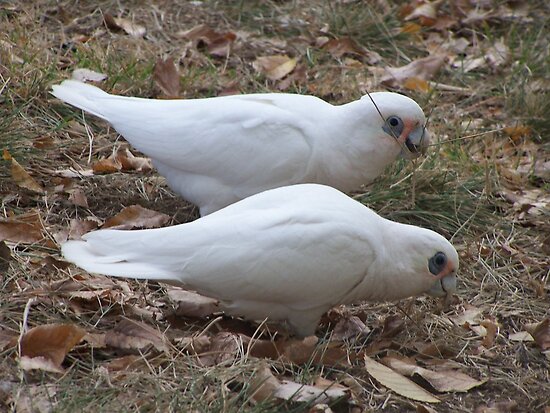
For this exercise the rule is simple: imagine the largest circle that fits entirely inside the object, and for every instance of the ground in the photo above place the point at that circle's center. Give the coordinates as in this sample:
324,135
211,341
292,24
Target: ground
127,346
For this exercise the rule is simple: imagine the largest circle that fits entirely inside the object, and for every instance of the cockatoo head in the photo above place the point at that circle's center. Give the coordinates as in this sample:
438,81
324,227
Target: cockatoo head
417,261
403,120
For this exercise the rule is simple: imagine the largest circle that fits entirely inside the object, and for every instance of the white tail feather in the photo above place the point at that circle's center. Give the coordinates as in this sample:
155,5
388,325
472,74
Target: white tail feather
81,95
83,254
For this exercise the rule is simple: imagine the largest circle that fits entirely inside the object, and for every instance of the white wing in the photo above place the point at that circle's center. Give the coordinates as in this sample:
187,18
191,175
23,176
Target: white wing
297,246
249,132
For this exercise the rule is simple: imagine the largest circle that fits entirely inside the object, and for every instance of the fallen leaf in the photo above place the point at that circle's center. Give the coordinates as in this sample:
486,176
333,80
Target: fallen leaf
120,23
265,386
521,336
79,227
274,67
166,76
78,197
217,44
417,84
106,166
541,333
130,334
392,326
136,216
491,331
43,142
25,228
349,328
87,75
194,345
345,45
130,162
20,176
192,304
128,362
470,316
45,347
442,381
422,69
39,363
398,383
426,13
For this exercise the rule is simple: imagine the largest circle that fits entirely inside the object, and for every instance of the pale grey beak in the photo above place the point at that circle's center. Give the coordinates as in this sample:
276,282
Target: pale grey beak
444,286
416,143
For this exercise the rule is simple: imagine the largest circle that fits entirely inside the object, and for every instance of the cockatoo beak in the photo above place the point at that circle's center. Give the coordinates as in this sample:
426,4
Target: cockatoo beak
445,284
416,139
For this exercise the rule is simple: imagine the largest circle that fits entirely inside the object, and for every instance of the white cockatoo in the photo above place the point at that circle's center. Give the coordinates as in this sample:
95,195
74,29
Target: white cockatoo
217,151
288,254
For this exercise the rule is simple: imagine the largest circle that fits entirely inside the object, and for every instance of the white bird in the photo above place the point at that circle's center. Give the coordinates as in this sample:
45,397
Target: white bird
287,254
216,151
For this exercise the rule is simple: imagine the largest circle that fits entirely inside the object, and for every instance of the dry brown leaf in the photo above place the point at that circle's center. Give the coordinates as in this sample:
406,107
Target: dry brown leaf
411,28
130,162
491,331
348,328
345,45
265,386
78,197
25,228
79,227
167,78
128,362
225,346
44,347
442,381
392,326
106,166
426,13
120,23
87,75
194,345
217,44
416,84
20,176
43,142
136,216
130,334
541,333
192,304
521,336
470,316
423,69
274,67
396,382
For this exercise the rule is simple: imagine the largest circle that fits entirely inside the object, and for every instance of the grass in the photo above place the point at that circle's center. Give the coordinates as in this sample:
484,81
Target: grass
456,190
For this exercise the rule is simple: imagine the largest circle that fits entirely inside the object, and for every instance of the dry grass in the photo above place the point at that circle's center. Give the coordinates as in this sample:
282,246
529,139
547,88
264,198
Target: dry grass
457,190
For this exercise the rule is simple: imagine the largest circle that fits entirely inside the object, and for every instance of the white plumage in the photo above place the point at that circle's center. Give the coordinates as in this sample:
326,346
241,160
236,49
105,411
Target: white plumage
216,151
289,254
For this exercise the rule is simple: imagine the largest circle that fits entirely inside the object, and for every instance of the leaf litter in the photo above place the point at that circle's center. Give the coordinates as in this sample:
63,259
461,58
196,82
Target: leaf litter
332,63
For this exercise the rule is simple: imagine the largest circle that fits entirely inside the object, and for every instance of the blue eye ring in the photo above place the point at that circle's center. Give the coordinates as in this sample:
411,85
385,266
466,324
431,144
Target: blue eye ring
437,263
394,126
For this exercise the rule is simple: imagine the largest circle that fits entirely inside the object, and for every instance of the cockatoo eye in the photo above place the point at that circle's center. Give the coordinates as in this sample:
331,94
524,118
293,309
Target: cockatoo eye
437,263
394,126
